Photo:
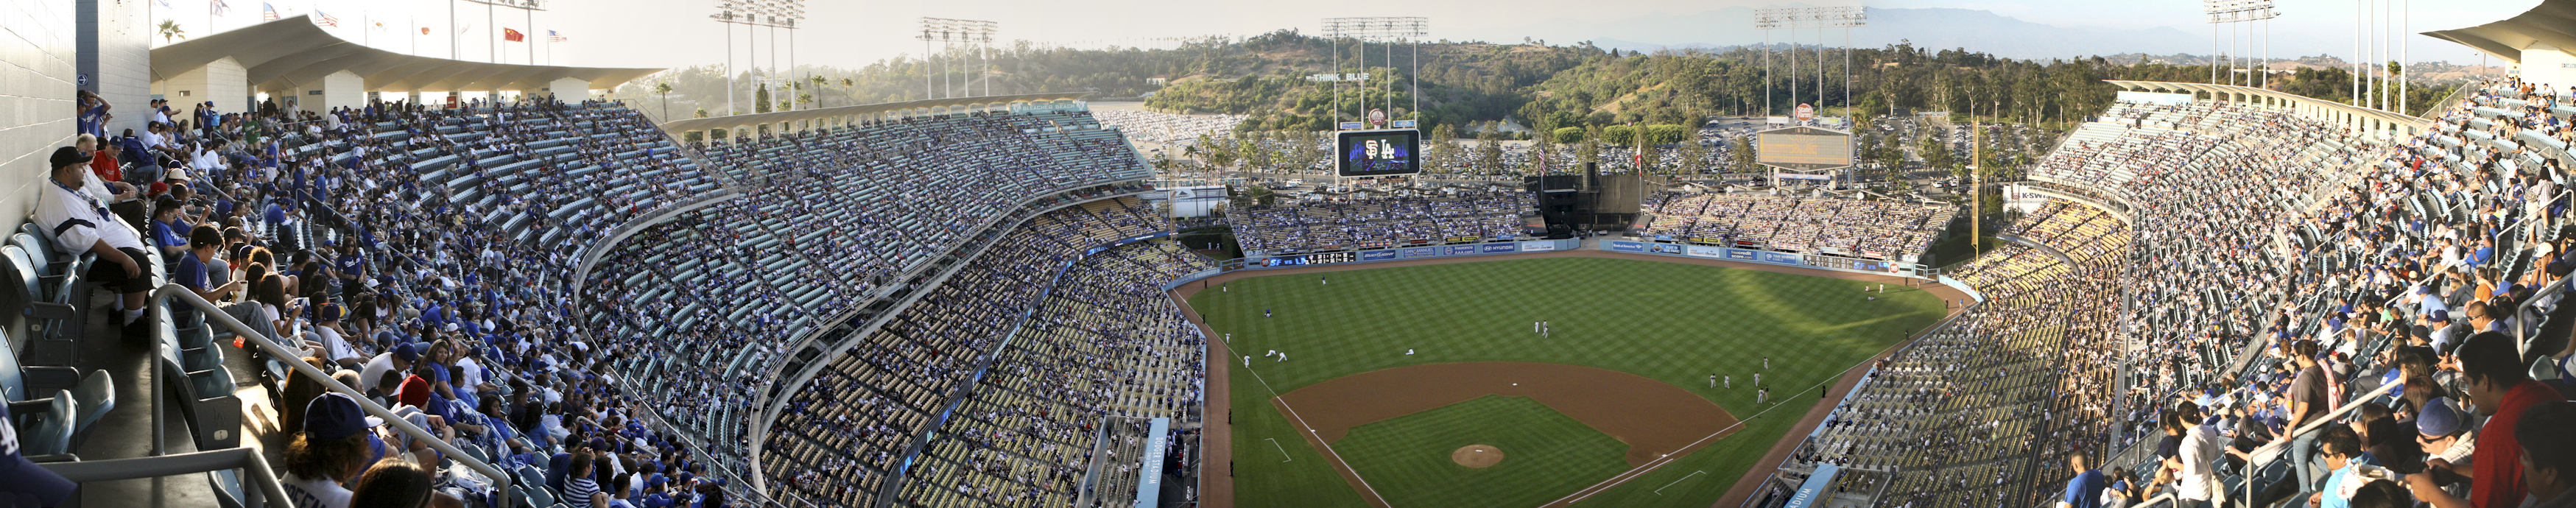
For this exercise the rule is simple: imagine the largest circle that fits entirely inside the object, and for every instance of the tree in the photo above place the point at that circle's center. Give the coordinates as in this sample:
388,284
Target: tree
819,82
1744,156
170,29
760,99
1569,135
1620,135
664,89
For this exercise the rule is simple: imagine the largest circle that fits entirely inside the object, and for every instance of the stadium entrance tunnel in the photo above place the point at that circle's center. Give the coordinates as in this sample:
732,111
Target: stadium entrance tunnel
1653,417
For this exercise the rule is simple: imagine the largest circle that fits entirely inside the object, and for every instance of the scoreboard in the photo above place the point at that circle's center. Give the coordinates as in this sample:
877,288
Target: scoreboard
1379,152
1312,259
1805,148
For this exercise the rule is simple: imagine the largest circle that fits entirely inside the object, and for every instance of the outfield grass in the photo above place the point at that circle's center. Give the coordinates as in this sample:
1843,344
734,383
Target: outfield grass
1672,322
1545,454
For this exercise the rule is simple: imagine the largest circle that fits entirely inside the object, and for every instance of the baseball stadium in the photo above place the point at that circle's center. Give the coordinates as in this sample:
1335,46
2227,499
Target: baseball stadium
1725,254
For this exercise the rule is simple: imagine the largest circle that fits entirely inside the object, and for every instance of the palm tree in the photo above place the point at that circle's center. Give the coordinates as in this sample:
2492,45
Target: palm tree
664,88
170,29
819,82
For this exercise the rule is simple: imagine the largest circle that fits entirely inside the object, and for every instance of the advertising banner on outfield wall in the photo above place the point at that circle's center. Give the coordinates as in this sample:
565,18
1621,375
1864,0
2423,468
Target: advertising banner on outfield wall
1377,255
1458,250
1703,251
1664,248
1538,246
1742,255
1628,246
1781,258
1421,252
1491,248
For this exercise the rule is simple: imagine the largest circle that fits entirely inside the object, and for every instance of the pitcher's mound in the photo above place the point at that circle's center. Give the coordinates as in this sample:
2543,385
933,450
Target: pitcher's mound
1477,456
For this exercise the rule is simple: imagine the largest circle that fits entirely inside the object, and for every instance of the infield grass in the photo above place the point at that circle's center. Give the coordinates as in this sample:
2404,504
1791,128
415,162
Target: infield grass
1673,322
1545,454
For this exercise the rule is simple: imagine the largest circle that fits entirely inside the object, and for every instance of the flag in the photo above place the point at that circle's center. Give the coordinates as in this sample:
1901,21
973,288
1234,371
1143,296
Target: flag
551,36
424,30
380,25
268,12
220,8
325,19
513,35
165,4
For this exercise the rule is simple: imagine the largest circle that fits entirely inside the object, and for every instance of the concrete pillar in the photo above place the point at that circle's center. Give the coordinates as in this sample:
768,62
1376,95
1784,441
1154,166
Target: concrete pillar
342,89
115,60
223,81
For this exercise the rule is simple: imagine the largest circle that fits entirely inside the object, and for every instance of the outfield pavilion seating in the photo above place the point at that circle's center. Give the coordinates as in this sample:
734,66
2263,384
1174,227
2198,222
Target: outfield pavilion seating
1407,217
839,436
1839,226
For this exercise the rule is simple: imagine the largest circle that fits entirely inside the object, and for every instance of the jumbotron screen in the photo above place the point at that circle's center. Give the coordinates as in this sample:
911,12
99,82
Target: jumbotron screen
1380,153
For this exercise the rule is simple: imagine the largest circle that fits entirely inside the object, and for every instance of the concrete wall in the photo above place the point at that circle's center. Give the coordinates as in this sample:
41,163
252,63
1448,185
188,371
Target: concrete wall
342,89
567,90
223,81
2547,65
115,54
37,67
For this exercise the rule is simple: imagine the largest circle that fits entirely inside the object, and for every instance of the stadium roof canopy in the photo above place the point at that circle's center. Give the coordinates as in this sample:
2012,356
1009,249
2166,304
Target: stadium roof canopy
2553,22
293,52
931,106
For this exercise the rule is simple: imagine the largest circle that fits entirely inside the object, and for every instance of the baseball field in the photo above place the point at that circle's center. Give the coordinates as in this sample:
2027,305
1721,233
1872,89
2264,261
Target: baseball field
1420,386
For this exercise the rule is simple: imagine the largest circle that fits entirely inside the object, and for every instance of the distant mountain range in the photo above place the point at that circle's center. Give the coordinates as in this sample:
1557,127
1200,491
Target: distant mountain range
1932,28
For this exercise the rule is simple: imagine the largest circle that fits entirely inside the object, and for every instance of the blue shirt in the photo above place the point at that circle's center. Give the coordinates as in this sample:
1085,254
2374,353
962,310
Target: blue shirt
190,272
94,121
2085,490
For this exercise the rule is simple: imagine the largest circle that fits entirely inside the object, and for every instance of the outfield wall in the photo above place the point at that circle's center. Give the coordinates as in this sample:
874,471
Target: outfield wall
1379,255
1815,261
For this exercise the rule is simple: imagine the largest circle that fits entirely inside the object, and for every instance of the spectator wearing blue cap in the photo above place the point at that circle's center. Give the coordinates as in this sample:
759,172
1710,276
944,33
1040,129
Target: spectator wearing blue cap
334,448
2445,438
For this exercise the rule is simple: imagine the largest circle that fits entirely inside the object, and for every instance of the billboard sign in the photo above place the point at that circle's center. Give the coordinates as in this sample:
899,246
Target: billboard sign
1741,255
1703,251
1498,247
1538,246
1458,250
1806,112
1781,258
1377,255
1805,148
1628,246
1421,252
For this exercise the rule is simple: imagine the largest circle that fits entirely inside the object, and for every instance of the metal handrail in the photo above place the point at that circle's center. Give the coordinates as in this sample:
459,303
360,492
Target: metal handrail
2275,447
261,476
215,315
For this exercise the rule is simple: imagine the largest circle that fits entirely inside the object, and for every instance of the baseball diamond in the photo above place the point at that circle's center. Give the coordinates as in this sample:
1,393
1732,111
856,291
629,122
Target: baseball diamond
1589,368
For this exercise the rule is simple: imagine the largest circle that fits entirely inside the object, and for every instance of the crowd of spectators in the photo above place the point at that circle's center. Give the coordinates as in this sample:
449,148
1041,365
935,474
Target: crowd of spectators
842,435
1880,229
1374,219
2287,273
417,252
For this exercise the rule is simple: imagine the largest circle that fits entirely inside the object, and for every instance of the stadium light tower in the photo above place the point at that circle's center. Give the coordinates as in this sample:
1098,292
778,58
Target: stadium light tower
950,32
1819,18
753,14
2234,13
1387,29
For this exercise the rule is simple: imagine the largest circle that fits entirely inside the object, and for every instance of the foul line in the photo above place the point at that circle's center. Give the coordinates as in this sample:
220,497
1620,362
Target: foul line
1650,466
1319,439
1660,491
1283,451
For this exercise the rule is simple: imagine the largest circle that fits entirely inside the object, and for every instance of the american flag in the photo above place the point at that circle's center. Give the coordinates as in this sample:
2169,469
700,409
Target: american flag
220,8
552,36
268,11
325,19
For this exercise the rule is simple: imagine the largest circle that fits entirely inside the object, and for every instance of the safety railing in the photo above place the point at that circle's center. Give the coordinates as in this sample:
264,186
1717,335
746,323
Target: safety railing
2276,450
264,491
216,316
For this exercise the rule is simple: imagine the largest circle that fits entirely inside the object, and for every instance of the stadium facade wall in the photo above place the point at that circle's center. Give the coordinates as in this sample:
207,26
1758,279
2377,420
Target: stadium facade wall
223,81
36,98
115,59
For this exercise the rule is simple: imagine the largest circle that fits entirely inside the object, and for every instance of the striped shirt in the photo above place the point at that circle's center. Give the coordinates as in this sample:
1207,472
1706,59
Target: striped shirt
577,491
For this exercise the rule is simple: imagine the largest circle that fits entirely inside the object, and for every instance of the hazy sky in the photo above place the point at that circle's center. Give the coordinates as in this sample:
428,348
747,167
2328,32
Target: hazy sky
673,33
